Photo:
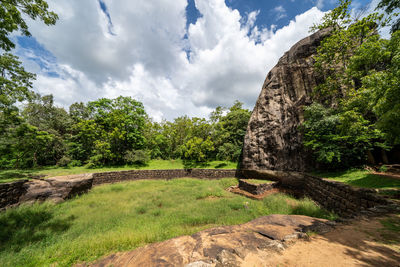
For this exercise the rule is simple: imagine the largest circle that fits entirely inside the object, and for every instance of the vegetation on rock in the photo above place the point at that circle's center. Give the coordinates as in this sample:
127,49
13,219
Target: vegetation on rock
357,107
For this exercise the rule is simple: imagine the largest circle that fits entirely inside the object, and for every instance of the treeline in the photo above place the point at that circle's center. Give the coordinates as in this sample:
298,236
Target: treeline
114,132
356,111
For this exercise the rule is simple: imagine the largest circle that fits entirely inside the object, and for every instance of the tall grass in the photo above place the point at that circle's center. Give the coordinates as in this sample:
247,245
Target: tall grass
124,216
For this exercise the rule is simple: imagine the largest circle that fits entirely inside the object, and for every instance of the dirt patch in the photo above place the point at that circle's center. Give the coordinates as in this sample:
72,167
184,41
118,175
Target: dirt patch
362,243
237,190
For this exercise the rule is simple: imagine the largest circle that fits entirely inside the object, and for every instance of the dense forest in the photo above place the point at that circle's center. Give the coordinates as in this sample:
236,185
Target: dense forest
115,132
356,109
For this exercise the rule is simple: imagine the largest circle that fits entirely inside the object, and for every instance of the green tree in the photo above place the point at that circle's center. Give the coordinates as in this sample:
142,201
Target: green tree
106,129
11,18
15,82
356,107
229,131
198,149
390,7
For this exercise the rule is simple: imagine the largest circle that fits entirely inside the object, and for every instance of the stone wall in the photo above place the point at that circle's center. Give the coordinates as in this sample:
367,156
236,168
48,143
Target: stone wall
255,189
343,199
63,187
340,198
11,192
113,177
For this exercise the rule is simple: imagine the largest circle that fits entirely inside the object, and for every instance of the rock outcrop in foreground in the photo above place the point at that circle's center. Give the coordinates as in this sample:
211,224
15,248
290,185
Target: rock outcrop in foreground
56,189
223,246
273,140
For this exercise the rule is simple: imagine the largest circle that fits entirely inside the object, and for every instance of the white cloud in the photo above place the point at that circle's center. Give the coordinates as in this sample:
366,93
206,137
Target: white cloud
280,12
229,56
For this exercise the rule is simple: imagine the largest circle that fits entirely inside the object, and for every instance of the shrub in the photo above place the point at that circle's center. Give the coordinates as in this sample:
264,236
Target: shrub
140,157
64,161
75,163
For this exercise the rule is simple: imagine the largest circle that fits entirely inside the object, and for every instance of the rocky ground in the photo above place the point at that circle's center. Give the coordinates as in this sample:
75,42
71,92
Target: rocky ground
275,240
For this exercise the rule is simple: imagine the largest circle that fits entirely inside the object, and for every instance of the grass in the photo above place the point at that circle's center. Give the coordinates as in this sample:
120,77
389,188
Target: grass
12,175
391,229
258,181
124,216
361,178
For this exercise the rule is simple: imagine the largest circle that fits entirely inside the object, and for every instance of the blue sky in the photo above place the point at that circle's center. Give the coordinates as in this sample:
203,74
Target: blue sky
180,57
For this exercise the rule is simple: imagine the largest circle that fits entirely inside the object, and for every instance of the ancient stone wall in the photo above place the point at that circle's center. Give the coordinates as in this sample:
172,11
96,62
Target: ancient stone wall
340,198
112,177
64,187
255,189
343,199
11,192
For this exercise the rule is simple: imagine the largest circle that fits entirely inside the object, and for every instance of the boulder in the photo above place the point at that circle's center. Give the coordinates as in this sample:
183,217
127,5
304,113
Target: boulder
273,140
56,189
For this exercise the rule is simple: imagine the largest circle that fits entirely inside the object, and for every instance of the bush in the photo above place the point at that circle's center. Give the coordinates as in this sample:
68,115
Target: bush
90,165
140,157
75,163
64,161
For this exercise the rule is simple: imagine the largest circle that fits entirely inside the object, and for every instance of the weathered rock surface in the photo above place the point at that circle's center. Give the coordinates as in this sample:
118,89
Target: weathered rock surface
56,188
222,246
273,140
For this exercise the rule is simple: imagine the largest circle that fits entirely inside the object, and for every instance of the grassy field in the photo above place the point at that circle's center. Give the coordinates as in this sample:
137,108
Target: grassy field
361,178
124,216
11,175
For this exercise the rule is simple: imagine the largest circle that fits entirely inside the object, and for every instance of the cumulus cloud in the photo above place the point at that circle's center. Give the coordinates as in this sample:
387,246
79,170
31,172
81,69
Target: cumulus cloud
152,56
280,12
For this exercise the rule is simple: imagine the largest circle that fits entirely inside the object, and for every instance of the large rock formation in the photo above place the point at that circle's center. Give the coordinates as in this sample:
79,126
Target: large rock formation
273,140
236,245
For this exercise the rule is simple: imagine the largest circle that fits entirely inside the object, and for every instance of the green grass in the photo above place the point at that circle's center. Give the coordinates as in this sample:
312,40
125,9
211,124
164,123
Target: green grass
258,181
12,175
124,216
391,229
361,178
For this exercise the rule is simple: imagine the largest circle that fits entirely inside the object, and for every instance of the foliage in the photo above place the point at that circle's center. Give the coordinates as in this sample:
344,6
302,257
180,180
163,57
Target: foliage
125,216
64,161
139,157
197,149
338,139
15,82
356,107
390,7
12,12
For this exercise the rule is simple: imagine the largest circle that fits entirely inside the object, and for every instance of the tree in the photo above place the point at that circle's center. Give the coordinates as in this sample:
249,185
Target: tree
229,131
15,82
356,108
11,14
106,129
390,7
198,149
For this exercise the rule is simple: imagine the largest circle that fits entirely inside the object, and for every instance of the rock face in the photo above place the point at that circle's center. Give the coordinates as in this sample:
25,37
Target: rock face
223,246
273,140
56,188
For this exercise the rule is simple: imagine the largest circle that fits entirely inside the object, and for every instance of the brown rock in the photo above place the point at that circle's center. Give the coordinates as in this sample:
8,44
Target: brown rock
221,246
273,140
57,189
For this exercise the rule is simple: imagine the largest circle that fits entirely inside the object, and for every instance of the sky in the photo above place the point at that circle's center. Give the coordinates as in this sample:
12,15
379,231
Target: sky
181,57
